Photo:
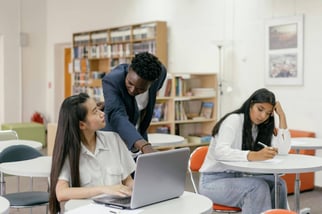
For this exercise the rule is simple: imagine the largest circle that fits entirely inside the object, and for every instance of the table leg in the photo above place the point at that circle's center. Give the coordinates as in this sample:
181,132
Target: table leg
277,190
297,185
2,184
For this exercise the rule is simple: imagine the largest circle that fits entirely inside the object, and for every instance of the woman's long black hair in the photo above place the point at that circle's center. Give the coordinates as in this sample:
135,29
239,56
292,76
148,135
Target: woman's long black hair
265,130
67,143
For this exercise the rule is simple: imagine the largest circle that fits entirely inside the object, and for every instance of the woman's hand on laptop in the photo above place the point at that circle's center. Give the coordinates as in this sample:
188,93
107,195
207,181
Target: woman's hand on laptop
119,190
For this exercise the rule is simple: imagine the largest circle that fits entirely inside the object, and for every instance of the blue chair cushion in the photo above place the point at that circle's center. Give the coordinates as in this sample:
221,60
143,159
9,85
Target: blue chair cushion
25,199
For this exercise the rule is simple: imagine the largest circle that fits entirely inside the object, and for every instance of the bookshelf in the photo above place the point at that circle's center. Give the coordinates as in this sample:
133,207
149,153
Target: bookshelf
96,52
191,106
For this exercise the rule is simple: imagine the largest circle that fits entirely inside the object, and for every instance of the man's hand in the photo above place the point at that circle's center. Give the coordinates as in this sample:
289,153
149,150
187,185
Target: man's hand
144,146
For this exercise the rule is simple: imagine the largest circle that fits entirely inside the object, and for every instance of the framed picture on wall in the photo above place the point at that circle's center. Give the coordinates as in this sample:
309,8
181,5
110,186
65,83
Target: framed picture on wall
284,51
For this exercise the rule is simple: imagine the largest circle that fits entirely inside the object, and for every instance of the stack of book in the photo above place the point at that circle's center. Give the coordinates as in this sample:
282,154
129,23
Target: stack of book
199,138
203,92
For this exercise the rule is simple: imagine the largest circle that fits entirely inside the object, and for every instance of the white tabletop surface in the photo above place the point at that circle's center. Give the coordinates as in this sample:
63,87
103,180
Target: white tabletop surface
37,167
291,163
188,203
160,139
306,143
6,143
4,205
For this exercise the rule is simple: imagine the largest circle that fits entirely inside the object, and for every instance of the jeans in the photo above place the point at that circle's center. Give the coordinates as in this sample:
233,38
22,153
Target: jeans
253,193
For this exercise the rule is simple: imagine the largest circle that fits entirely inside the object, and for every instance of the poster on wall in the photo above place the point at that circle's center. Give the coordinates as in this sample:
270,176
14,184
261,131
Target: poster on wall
284,51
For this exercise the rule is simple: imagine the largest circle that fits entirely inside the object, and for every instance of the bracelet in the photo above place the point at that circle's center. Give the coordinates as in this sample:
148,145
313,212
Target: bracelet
145,144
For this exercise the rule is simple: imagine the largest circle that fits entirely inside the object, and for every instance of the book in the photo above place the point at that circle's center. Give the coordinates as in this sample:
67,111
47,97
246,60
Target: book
159,112
206,109
199,138
165,90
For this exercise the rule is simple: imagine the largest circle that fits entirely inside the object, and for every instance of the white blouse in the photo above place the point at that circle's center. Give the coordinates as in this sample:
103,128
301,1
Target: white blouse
227,144
109,165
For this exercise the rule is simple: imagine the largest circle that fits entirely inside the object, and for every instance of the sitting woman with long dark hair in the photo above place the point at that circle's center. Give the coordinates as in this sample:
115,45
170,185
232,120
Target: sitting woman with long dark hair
87,162
246,134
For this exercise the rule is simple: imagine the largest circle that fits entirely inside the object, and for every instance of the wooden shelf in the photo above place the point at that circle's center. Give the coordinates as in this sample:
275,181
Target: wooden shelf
96,52
184,102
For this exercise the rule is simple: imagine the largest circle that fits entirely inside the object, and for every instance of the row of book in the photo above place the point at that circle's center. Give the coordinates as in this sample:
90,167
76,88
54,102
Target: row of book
95,92
160,112
149,46
184,110
120,35
81,65
180,113
102,51
81,78
180,86
113,50
86,78
165,90
84,65
145,32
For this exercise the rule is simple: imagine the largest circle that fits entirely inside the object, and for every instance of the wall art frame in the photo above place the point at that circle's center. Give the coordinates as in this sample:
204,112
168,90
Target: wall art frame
284,51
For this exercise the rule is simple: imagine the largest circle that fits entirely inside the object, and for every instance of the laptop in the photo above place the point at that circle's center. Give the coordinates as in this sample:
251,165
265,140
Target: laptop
159,176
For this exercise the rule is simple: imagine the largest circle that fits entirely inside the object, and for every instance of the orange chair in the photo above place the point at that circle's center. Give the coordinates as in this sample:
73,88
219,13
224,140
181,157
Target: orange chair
307,178
279,211
196,159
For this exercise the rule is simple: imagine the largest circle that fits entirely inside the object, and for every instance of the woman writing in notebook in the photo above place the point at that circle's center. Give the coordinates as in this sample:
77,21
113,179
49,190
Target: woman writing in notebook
246,134
87,162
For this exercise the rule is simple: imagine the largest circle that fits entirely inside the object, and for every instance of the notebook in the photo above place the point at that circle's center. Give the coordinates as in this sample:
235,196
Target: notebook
159,176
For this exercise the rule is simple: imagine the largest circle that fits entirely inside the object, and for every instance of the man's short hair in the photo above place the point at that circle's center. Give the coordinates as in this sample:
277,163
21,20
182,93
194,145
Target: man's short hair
147,66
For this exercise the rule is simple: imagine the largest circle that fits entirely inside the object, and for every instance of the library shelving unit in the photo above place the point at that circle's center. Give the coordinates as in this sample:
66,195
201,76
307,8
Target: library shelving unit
189,109
95,53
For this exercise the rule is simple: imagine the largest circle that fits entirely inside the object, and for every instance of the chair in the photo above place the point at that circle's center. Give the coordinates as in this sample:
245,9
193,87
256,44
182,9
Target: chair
8,135
27,199
195,162
278,211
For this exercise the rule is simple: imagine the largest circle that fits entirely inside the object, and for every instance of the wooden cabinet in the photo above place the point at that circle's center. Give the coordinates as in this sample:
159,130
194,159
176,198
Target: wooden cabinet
95,53
189,109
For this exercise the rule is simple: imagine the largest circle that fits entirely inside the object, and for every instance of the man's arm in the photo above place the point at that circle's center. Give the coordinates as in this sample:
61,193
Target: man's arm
117,118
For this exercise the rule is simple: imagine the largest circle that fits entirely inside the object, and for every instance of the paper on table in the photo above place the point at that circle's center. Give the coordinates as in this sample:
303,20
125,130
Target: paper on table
100,208
274,160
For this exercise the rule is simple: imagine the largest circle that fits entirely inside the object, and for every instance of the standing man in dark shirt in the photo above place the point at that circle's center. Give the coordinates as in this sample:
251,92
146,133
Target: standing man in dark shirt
130,92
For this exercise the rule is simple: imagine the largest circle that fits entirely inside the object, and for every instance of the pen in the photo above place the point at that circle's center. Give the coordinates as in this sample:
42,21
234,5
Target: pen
262,144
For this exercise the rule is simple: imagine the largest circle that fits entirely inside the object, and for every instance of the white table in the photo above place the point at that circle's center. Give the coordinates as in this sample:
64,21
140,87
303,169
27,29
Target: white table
160,139
37,167
291,163
4,205
188,203
6,143
297,144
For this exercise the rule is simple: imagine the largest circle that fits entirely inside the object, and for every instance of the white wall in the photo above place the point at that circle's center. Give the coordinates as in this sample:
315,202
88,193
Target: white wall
195,27
33,25
24,65
11,82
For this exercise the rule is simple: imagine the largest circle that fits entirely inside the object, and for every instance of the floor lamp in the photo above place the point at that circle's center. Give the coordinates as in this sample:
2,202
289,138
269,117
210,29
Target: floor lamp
221,82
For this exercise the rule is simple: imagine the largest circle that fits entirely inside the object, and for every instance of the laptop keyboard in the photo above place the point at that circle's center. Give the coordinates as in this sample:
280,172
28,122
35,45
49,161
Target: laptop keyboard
122,200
